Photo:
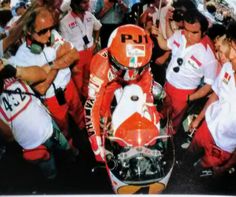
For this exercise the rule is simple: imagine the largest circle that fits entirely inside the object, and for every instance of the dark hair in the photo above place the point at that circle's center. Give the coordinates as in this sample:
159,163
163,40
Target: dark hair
180,7
216,30
75,4
186,4
19,5
227,20
5,16
211,8
149,1
193,16
5,2
230,31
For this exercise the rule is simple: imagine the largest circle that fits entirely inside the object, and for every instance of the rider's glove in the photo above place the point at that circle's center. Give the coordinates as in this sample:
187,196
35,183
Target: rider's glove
98,150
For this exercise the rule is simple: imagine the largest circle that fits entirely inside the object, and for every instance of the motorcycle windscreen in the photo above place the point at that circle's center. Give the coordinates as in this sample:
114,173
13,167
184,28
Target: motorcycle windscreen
136,130
140,165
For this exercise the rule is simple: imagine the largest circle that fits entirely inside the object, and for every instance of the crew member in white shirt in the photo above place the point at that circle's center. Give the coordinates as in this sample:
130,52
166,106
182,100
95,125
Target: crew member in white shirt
190,62
81,28
217,133
45,46
24,118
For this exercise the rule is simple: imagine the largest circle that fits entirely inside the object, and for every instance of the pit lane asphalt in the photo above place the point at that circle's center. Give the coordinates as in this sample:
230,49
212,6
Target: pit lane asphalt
75,177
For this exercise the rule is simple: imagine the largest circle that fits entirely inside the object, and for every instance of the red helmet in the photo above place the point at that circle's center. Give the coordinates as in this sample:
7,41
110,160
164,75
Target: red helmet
130,47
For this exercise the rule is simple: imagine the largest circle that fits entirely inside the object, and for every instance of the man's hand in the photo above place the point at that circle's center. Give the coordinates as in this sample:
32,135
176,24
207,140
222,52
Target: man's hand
1,65
98,149
108,4
66,60
154,31
100,157
169,14
63,49
122,5
150,9
3,62
194,124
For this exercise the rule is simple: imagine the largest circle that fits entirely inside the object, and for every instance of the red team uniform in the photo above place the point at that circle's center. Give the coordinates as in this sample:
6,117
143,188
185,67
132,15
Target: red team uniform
125,61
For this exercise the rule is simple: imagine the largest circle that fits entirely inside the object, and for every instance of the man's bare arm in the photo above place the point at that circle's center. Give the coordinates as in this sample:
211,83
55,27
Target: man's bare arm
63,61
200,93
31,74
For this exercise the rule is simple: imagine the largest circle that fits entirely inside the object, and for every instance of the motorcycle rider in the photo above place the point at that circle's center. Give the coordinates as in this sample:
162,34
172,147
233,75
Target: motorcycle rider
125,61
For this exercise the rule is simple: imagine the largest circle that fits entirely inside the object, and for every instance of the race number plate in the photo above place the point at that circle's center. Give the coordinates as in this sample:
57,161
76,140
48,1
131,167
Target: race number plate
12,104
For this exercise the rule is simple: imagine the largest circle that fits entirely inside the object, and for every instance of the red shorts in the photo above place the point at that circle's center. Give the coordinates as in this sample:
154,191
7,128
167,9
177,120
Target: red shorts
73,106
214,156
178,102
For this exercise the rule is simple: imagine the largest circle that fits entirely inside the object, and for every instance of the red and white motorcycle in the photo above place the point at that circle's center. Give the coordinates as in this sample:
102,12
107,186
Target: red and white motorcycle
139,156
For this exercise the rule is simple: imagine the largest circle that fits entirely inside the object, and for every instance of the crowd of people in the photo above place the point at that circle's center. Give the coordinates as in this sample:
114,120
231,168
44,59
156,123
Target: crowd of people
64,59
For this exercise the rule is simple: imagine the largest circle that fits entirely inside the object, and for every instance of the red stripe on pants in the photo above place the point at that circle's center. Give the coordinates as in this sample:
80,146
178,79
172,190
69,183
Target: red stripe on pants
73,106
214,156
178,102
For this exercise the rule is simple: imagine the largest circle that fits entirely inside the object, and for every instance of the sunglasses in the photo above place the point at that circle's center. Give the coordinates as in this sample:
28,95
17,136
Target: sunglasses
180,62
44,31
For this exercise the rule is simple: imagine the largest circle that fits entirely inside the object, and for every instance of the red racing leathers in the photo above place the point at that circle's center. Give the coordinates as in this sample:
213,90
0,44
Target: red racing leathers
104,80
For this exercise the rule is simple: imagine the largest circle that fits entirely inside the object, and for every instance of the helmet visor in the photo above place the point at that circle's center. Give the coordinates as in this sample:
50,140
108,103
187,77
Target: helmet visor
121,69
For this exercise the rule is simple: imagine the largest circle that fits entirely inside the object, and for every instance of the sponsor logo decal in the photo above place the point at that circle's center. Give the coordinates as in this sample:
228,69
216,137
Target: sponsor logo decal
196,61
176,43
88,116
73,24
137,50
226,78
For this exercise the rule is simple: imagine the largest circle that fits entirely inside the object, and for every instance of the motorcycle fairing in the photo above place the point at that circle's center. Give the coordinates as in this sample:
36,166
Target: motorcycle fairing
136,130
131,101
139,167
138,158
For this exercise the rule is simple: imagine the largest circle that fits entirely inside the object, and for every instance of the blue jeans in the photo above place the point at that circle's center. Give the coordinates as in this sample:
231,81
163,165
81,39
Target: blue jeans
56,142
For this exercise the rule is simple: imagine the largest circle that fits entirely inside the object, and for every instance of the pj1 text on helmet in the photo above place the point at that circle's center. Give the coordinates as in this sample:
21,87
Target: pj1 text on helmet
138,39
